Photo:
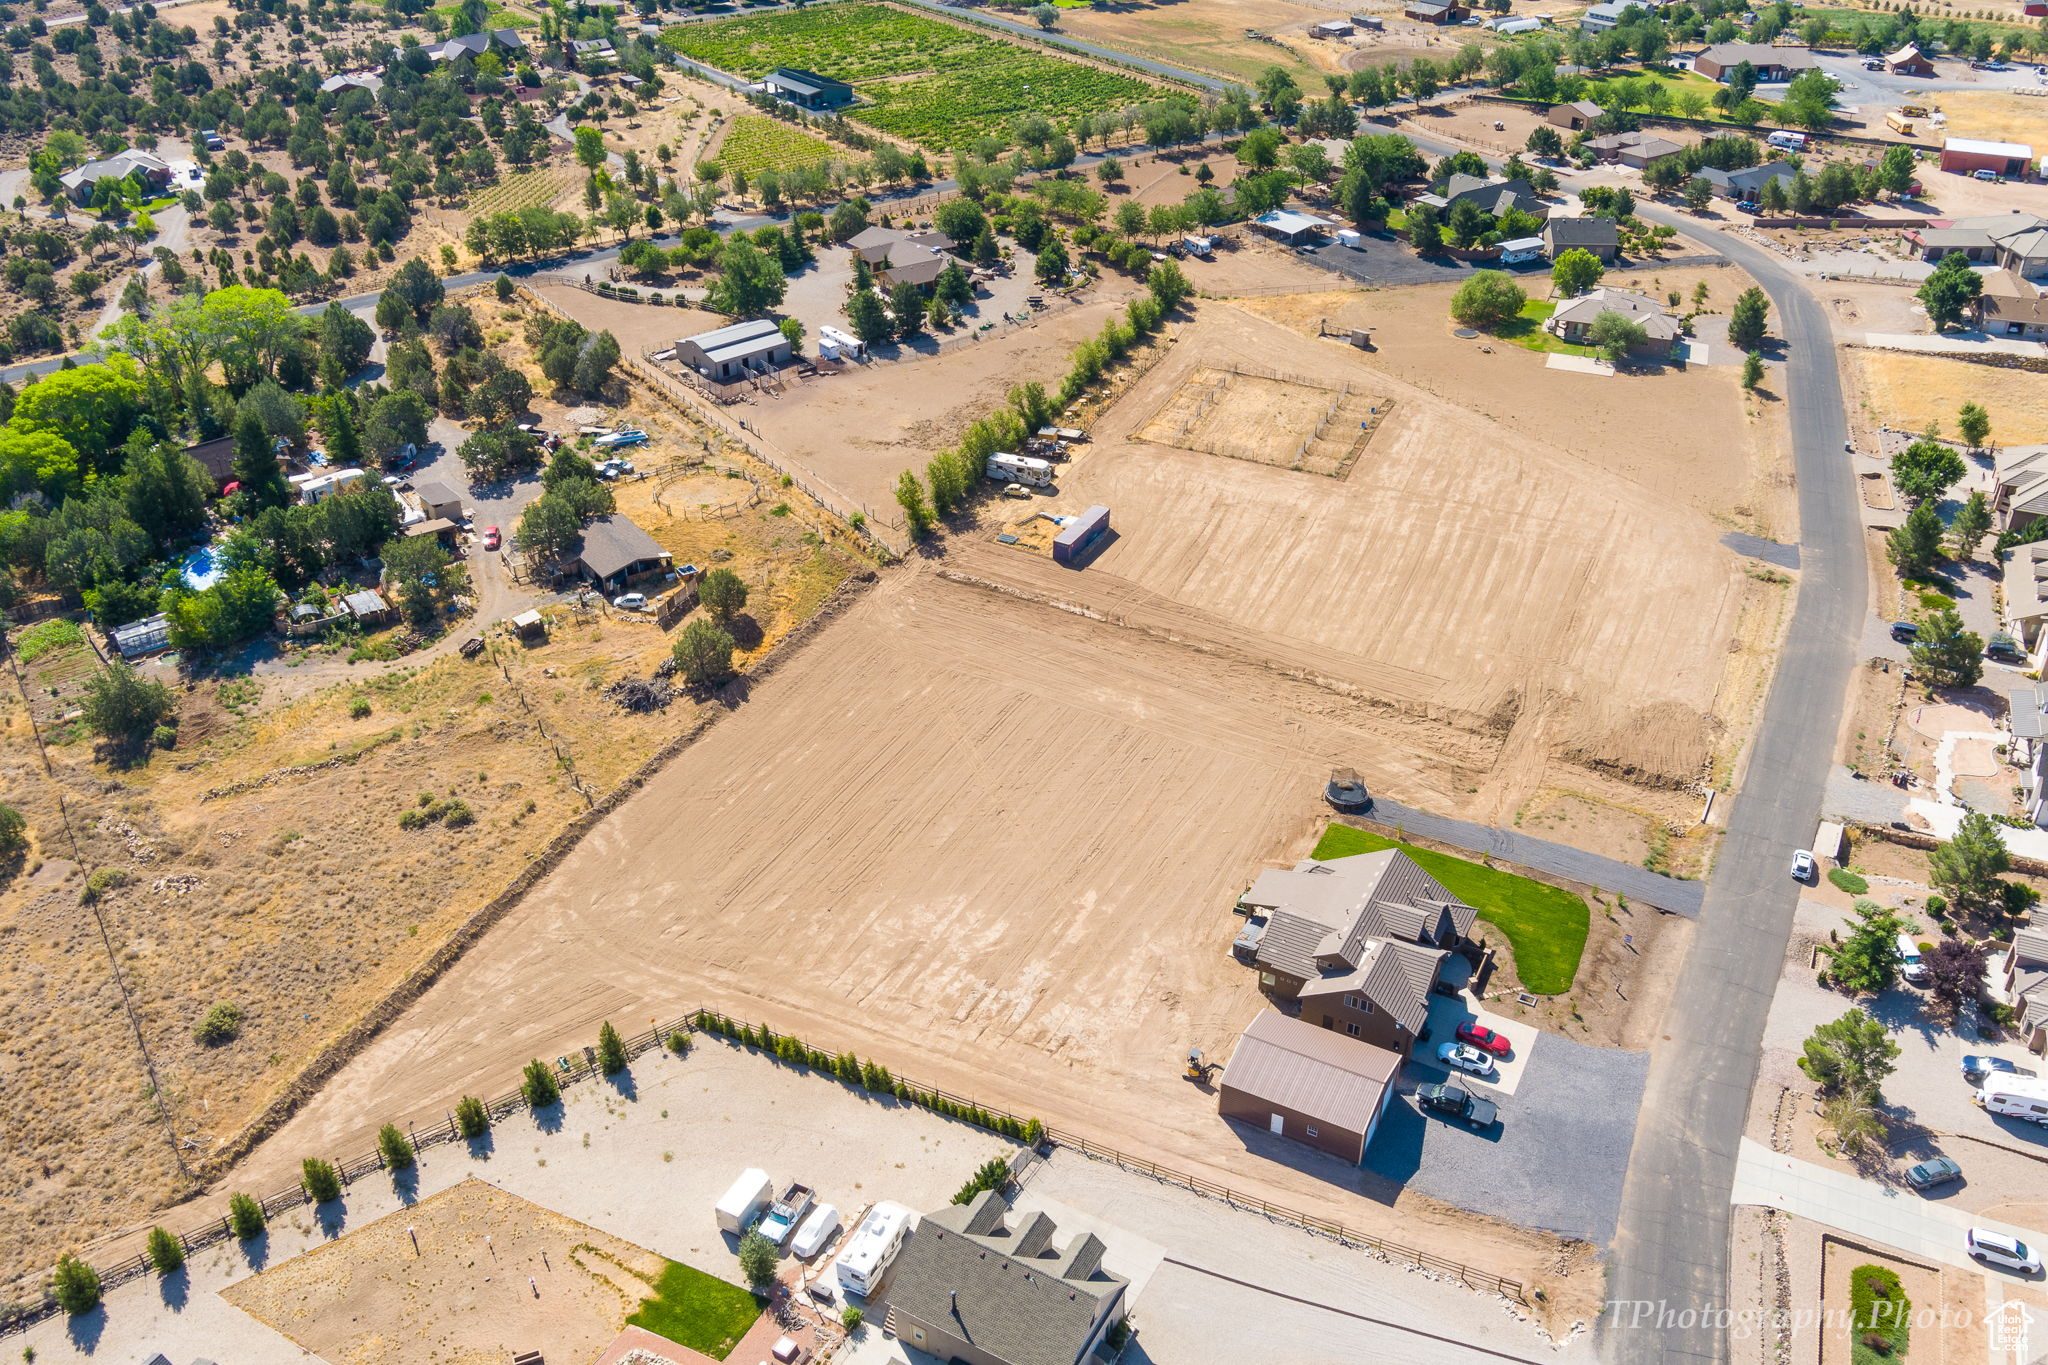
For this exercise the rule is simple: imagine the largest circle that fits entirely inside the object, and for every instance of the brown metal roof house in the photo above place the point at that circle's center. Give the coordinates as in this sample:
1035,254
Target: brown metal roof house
613,552
1435,12
1297,1081
217,457
1357,941
970,1286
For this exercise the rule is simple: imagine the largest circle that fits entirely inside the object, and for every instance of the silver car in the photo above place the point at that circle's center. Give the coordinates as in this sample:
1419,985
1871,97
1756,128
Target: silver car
1466,1058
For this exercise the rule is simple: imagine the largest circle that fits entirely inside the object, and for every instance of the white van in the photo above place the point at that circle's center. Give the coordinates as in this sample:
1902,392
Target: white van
2016,1097
1910,965
872,1247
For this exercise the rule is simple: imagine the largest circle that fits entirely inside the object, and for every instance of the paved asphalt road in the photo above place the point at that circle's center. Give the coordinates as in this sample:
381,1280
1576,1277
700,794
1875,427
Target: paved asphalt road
1672,1246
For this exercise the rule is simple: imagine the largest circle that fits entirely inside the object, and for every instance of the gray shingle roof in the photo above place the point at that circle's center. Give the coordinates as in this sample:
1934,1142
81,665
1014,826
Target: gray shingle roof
1327,922
966,1272
1589,231
1312,1071
612,543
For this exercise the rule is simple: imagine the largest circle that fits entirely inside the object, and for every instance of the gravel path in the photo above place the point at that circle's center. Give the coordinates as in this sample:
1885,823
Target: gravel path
1638,884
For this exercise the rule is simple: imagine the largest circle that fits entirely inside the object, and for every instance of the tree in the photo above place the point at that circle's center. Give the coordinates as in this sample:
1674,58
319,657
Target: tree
917,513
1926,469
472,1120
1575,271
416,287
548,526
1615,335
1955,976
1855,1052
723,593
1895,170
953,286
750,282
1752,370
1052,263
1915,545
1966,869
245,1216
1972,522
1867,960
395,1147
1973,424
1747,320
538,1086
255,465
1857,1123
1945,654
870,321
75,1285
611,1049
123,707
321,1181
166,1252
906,306
590,147
595,360
1169,285
1046,17
703,654
13,833
1487,300
758,1257
1948,293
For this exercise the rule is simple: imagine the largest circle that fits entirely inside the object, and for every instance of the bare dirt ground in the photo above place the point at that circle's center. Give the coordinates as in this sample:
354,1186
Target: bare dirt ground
1909,391
370,1297
1995,116
1209,35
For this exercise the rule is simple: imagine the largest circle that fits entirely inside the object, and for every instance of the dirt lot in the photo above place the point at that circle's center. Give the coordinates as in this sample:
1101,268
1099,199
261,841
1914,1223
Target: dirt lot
1908,391
354,1301
1995,116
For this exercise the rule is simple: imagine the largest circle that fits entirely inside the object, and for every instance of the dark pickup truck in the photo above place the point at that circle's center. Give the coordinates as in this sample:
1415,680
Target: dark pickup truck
1457,1102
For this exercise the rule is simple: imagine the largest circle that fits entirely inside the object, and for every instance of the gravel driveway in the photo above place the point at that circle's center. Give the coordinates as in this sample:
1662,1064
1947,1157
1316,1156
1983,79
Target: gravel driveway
1556,1158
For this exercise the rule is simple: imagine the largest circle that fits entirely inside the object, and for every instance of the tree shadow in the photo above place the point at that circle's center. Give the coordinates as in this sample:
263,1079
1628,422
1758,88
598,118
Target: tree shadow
622,1081
481,1147
331,1217
745,631
86,1329
549,1118
176,1289
256,1250
406,1184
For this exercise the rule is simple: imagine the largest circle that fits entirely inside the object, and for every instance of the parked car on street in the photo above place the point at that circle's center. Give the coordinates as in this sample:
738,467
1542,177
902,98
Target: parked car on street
1483,1038
1976,1069
2007,1253
1465,1058
1458,1102
1802,866
1938,1171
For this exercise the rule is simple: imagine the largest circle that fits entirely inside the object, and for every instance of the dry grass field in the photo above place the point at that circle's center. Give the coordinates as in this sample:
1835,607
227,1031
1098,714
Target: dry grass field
1995,116
1909,391
266,865
369,1297
1244,414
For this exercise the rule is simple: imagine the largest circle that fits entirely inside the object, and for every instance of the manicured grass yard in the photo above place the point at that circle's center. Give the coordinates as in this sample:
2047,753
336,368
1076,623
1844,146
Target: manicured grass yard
933,82
697,1310
1528,332
1545,926
757,143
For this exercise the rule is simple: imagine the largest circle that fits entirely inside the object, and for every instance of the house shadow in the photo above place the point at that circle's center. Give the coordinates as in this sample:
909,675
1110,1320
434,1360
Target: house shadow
176,1289
1368,1181
86,1329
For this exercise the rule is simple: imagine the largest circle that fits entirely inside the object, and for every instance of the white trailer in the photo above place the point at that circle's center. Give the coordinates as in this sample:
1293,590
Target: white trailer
872,1247
1350,237
743,1203
2016,1097
1028,470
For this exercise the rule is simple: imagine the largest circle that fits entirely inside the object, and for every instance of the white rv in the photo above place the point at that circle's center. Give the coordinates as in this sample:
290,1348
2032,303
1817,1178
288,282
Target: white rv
1029,470
872,1247
2016,1097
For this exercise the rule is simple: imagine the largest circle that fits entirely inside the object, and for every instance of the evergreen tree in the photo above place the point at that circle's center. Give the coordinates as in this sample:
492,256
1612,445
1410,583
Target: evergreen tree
1746,321
166,1252
256,467
1752,370
1967,868
1915,546
1945,654
1972,522
611,1049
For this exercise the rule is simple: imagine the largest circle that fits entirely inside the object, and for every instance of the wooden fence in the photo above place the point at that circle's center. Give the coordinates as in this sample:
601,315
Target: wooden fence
573,1070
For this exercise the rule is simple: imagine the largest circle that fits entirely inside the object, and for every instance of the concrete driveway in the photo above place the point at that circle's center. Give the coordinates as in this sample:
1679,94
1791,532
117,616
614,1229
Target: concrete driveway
1446,1012
1555,1160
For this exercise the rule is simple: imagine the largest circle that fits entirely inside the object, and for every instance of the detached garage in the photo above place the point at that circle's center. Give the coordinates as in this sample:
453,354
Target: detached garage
1320,1088
1968,155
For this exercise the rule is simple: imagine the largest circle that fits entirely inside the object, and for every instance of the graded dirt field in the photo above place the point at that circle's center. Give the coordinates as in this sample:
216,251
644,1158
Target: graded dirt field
1907,391
543,1282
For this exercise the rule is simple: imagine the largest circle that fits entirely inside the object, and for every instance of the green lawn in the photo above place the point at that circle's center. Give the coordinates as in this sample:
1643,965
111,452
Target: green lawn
1527,331
697,1310
1545,926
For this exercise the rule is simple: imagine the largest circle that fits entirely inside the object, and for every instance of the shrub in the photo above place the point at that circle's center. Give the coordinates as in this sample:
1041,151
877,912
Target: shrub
396,1148
245,1216
75,1285
472,1120
1937,906
101,882
539,1085
851,1318
163,737
1848,881
166,1252
455,813
358,708
13,832
992,1174
218,1025
321,1180
679,1043
758,1260
1879,1309
414,817
611,1049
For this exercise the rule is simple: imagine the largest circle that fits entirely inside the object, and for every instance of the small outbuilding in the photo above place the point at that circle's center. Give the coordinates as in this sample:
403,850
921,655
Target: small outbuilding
146,636
1908,61
756,346
437,499
369,608
1574,116
1315,1086
807,88
1332,28
1073,543
1435,11
1285,225
1968,155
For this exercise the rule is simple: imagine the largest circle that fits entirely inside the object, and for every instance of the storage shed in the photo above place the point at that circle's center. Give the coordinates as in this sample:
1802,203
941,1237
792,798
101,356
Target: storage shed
1072,545
728,353
1967,155
437,499
146,636
1318,1087
1332,28
368,607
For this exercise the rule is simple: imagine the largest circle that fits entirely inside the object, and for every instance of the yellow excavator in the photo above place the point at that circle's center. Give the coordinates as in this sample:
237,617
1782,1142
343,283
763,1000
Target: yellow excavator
1198,1070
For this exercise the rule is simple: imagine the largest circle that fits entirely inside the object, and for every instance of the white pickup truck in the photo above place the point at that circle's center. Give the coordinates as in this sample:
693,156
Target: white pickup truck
785,1213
